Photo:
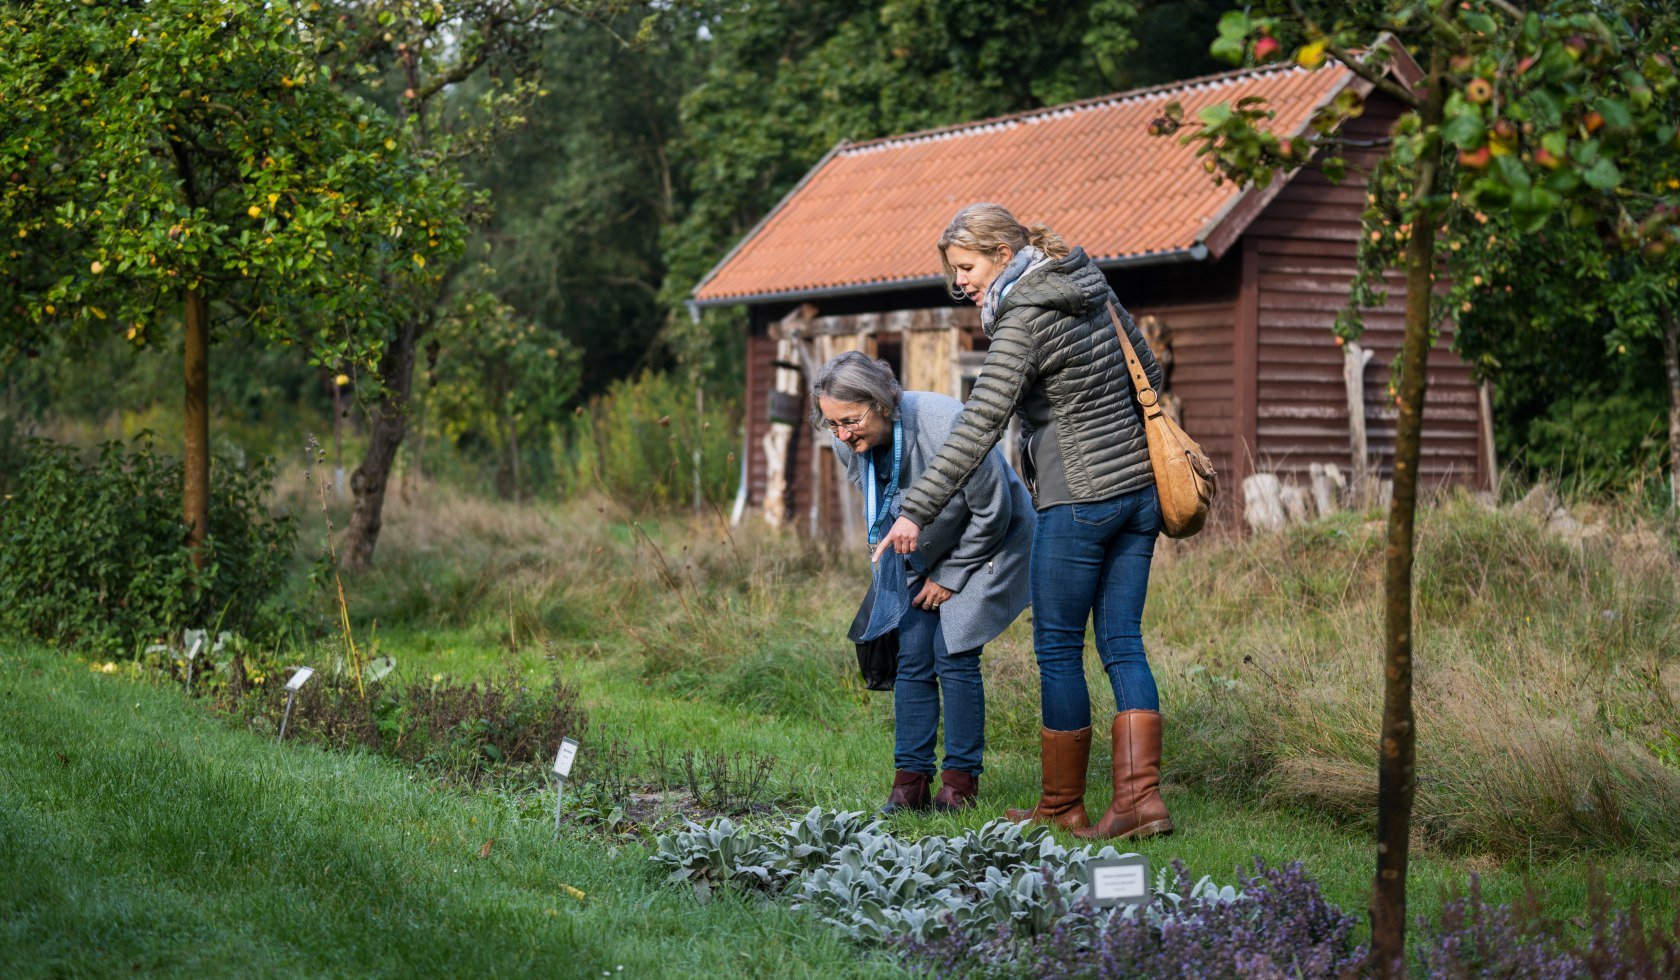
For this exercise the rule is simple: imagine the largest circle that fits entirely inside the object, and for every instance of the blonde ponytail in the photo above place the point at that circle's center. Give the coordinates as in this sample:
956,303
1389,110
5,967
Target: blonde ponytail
1052,243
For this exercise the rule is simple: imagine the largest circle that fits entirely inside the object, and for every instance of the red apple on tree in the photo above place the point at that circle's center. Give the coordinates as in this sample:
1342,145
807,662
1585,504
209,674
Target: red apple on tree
1477,159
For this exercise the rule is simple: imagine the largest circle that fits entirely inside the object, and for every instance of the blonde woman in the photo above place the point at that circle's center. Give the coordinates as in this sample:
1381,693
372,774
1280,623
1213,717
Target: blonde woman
1056,360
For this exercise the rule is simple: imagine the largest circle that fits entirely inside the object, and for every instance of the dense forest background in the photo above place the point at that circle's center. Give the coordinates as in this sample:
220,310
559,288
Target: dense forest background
663,131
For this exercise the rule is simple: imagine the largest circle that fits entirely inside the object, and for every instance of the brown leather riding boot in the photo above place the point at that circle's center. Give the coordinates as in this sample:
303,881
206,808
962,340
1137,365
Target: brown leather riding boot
1063,757
1137,810
909,792
957,790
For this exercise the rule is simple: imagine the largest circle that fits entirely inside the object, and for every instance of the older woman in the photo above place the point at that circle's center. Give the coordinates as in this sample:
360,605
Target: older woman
1056,358
968,577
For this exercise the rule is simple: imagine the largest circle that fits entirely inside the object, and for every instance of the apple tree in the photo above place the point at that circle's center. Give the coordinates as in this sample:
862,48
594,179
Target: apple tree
1532,114
183,165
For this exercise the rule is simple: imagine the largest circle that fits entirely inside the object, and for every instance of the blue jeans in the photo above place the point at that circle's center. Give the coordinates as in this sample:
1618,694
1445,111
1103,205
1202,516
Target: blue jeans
1093,559
925,668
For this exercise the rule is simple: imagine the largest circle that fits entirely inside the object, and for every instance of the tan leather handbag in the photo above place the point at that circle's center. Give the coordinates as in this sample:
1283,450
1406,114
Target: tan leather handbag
1184,476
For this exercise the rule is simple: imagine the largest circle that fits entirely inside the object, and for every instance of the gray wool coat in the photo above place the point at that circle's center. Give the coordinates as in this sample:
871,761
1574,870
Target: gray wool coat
980,544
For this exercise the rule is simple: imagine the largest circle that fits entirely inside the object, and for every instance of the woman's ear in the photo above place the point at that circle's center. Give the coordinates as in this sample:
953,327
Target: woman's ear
1005,254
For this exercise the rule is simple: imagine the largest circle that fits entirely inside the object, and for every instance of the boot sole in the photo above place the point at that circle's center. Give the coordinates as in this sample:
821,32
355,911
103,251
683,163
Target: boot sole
1155,828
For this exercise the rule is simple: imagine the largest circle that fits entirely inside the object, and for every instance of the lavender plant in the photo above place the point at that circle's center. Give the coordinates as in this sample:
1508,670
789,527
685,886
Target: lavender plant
1474,939
1277,926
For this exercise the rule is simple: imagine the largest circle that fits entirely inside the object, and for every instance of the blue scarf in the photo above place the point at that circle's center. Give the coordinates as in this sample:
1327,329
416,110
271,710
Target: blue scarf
889,591
1024,260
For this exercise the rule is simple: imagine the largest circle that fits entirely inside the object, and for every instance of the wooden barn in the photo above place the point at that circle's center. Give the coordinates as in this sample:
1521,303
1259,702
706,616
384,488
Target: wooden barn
1239,288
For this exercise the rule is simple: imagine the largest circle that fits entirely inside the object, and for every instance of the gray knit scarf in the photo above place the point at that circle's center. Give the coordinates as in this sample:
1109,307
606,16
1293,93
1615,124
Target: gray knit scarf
1025,260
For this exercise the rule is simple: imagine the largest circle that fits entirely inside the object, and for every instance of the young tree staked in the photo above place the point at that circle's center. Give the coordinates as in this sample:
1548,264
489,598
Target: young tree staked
1552,115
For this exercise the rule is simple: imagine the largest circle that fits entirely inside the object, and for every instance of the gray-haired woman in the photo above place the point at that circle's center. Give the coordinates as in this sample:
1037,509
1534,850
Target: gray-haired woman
968,576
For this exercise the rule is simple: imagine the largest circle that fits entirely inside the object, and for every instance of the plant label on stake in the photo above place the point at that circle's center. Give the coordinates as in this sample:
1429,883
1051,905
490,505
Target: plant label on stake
192,654
562,769
299,677
1118,881
563,761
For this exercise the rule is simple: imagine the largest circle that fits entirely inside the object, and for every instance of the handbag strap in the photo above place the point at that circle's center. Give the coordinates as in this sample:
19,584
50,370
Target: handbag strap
1146,395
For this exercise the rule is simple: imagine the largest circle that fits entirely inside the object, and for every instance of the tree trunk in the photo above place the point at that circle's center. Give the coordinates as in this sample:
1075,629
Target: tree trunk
195,415
1671,360
1397,772
387,424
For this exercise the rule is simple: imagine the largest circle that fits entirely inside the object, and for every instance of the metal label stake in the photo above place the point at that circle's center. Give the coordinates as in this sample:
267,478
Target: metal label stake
292,687
562,769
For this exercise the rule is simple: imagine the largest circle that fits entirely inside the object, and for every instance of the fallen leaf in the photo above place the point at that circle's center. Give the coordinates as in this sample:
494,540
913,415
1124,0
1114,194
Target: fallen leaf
484,851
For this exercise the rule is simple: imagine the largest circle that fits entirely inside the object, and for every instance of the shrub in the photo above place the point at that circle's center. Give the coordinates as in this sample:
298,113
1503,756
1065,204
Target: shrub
877,888
637,443
467,732
95,553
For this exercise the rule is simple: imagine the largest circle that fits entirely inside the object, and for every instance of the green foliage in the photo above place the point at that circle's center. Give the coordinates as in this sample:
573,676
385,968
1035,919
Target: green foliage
151,149
637,442
1600,442
95,553
498,380
468,732
584,188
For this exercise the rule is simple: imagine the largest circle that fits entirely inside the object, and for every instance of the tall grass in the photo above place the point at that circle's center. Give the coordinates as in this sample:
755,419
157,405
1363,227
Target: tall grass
1547,678
1547,675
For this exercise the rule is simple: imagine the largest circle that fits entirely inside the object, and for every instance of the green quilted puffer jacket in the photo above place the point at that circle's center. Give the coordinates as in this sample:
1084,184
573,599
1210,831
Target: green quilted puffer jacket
1056,360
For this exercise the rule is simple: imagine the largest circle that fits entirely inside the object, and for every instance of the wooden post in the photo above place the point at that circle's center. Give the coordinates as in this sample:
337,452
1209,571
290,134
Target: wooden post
1354,359
1490,452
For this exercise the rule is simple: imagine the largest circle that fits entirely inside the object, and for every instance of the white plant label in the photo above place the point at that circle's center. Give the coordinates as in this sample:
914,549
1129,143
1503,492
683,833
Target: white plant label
1119,881
563,761
192,651
303,674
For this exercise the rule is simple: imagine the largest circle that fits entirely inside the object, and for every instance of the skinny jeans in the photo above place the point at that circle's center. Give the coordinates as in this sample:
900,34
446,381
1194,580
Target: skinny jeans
1090,562
926,670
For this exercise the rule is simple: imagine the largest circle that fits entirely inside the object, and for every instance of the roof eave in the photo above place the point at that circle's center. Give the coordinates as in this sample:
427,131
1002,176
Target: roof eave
1194,253
755,229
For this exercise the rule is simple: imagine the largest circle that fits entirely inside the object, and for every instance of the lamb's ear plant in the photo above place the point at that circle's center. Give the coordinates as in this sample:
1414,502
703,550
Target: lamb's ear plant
877,888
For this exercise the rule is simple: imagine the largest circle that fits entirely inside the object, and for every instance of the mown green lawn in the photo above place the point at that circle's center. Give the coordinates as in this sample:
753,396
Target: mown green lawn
142,835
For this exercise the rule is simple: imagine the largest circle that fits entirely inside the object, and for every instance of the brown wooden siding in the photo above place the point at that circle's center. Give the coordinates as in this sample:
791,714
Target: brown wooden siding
1302,249
1202,348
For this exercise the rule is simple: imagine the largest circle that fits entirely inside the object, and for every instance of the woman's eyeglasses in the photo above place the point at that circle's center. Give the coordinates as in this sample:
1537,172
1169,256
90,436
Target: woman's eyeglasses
850,425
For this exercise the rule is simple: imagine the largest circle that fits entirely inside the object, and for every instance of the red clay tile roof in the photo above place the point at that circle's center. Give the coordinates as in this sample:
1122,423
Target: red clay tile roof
867,216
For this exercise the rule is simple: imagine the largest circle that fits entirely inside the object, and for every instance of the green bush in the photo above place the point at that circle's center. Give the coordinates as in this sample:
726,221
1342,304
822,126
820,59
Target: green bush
636,443
95,553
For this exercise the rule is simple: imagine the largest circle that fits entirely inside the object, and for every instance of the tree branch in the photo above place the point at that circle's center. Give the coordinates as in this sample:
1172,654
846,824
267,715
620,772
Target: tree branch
1357,65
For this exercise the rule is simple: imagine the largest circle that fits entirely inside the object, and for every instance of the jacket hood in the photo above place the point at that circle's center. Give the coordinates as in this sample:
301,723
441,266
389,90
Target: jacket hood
1070,285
